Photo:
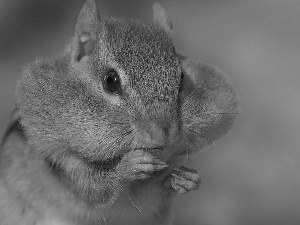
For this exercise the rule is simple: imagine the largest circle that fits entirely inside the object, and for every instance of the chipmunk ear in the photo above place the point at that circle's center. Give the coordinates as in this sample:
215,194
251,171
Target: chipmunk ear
86,29
161,18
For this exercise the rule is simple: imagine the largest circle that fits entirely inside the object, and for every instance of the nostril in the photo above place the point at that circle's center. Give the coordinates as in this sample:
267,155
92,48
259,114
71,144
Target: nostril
166,130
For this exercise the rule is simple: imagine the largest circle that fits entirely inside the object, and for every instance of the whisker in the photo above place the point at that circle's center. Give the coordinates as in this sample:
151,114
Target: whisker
213,144
159,215
225,113
133,203
192,142
125,193
104,219
203,137
190,139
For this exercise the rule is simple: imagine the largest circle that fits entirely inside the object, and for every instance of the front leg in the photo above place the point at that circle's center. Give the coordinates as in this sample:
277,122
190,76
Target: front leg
183,180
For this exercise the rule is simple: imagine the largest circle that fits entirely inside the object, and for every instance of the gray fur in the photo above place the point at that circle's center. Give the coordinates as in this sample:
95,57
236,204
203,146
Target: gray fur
70,121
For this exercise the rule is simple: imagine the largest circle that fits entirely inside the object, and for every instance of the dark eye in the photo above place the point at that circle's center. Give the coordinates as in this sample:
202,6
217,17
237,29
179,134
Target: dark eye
112,82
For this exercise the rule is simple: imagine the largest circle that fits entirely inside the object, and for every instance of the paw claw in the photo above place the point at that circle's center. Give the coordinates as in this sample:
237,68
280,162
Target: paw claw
183,180
179,189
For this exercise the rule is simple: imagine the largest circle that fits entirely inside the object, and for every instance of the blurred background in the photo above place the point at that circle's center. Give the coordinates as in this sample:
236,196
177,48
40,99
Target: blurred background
250,177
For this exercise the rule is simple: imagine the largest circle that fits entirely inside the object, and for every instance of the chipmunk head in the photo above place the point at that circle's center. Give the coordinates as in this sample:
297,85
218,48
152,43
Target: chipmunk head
116,90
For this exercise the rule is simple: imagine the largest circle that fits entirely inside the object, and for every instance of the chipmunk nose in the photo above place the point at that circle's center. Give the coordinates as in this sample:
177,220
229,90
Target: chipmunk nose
154,135
157,134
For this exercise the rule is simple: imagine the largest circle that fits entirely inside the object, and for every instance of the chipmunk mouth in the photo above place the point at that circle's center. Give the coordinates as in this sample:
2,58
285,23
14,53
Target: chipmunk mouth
111,163
149,149
108,164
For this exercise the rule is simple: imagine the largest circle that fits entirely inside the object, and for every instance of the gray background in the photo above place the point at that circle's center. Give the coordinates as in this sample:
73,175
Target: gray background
253,175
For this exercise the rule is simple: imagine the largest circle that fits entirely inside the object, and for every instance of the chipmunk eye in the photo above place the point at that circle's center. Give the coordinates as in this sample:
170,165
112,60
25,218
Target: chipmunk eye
112,82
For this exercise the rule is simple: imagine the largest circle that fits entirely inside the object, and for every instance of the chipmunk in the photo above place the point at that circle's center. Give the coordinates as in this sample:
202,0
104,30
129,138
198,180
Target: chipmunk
100,133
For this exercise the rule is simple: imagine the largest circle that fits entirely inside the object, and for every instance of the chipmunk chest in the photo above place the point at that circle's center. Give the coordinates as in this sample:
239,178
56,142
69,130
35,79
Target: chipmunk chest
138,204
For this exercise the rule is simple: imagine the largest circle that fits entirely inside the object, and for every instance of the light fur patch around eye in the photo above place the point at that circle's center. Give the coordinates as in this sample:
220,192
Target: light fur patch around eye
121,72
110,63
115,99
